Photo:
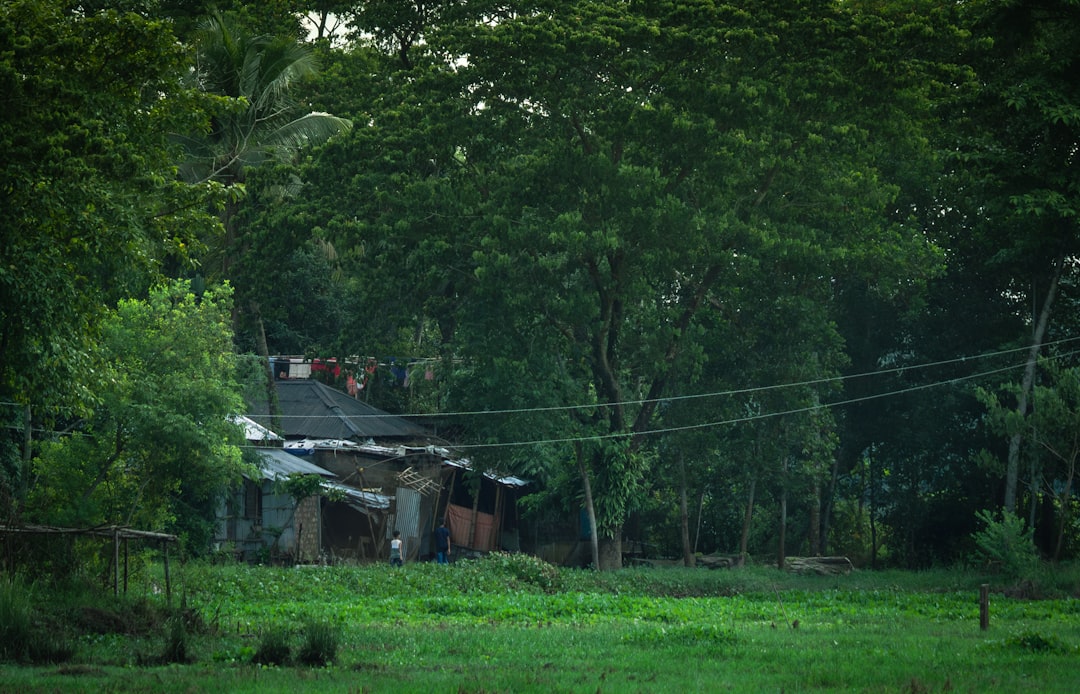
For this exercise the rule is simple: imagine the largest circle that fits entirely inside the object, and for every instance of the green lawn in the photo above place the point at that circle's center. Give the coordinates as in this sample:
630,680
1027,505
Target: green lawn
512,624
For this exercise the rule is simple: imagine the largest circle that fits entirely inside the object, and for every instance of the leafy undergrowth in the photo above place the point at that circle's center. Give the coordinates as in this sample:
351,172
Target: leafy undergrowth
512,622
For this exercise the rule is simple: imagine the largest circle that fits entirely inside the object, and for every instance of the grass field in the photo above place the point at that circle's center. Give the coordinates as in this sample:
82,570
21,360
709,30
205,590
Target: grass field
513,624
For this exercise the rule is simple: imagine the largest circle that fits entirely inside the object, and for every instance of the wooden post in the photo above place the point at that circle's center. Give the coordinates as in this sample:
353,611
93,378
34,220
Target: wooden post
168,581
28,447
984,606
475,512
116,562
496,526
126,564
449,499
376,539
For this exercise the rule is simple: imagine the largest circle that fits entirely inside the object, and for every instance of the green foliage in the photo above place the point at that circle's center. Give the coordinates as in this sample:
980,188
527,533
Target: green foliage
158,450
1033,642
1007,544
274,647
22,638
178,646
524,569
259,121
89,202
321,642
300,487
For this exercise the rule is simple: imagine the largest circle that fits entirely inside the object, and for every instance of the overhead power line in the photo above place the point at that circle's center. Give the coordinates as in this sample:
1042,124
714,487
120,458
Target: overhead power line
716,394
726,393
739,420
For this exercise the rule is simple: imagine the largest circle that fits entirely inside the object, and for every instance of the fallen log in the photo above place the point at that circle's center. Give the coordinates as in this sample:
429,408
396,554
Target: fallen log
822,566
715,561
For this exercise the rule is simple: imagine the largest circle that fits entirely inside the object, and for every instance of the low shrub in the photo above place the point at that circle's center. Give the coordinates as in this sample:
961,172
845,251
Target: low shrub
525,568
21,640
177,642
1006,545
274,648
1032,642
15,619
320,645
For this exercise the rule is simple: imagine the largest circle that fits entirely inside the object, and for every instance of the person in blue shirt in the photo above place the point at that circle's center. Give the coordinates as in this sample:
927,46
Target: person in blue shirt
442,544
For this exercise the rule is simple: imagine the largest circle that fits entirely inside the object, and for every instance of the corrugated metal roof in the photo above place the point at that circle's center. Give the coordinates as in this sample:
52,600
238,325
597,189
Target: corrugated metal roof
309,446
358,498
277,464
508,480
311,409
253,431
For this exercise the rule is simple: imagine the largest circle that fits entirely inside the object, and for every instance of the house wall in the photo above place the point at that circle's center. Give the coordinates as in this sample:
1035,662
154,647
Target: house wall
277,533
307,526
256,534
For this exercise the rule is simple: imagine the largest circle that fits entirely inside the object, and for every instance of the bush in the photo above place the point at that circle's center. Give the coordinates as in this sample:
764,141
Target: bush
320,644
1006,544
274,647
525,569
1033,642
177,642
20,640
15,619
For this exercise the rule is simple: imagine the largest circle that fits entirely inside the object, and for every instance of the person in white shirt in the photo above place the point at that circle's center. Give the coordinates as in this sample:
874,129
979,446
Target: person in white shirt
397,550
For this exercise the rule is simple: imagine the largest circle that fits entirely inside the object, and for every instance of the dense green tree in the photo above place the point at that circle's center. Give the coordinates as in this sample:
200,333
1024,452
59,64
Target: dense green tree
259,122
569,201
157,451
1019,146
90,209
1053,424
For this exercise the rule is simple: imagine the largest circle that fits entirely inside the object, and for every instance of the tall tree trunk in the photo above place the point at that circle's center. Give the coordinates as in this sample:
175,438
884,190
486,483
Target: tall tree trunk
1035,485
815,519
781,549
1012,468
27,457
872,511
744,539
272,407
590,510
827,506
609,552
684,515
700,510
1066,503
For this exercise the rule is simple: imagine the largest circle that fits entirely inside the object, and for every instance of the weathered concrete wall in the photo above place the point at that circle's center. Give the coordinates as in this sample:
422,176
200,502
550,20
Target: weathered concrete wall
307,528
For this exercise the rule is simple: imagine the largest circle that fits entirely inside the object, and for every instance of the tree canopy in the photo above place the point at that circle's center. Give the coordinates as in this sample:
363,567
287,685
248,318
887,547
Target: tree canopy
758,252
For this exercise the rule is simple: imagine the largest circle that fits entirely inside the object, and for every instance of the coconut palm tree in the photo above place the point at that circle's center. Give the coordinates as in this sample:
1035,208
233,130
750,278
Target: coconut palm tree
259,121
256,120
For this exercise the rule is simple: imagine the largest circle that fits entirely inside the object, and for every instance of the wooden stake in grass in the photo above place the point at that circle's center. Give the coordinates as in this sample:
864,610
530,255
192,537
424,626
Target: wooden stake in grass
984,606
795,624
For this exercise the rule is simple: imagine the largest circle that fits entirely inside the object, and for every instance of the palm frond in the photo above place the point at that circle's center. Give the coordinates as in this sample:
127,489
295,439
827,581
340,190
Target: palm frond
311,129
